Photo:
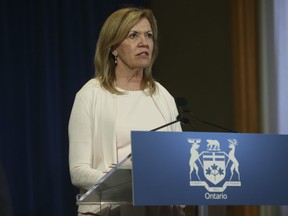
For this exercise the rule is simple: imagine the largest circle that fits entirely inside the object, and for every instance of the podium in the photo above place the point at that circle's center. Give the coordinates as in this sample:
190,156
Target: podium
197,168
115,188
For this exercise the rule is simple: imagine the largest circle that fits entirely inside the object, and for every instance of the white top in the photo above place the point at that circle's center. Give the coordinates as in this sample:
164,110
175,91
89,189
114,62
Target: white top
138,112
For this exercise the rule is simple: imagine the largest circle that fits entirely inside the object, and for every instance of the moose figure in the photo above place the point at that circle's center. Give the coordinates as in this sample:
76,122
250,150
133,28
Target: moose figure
194,157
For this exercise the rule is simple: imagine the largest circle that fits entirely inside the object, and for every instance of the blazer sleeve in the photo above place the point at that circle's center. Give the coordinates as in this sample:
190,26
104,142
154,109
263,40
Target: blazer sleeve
80,145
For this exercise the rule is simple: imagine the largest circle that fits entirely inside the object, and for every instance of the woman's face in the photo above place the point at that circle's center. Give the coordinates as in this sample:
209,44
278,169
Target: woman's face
135,51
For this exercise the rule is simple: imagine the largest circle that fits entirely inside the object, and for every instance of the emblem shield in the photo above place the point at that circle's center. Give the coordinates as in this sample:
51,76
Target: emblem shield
214,166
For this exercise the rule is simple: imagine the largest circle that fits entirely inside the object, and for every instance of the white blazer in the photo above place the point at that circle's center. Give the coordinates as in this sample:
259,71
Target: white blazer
92,137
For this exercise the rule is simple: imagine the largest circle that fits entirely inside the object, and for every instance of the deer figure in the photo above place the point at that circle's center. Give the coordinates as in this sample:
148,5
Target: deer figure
232,158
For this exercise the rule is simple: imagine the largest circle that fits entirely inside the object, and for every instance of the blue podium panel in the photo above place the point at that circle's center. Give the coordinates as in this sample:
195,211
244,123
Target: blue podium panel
198,168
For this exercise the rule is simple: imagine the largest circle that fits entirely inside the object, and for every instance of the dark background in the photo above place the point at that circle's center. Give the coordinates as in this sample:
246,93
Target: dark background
46,55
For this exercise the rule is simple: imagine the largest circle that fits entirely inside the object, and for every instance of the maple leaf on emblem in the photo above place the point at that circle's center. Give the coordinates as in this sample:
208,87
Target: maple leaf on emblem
221,171
208,171
214,167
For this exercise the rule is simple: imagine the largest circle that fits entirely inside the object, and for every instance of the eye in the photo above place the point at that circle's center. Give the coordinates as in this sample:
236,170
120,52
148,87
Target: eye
133,35
149,35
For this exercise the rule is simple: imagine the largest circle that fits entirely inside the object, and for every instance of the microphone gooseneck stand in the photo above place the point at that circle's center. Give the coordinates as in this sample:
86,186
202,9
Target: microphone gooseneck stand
182,103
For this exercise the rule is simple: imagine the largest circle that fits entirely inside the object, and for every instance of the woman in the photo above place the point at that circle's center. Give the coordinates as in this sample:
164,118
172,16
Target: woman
122,97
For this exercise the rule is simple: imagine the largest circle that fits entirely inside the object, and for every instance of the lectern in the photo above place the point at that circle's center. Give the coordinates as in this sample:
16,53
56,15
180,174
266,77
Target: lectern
114,188
197,168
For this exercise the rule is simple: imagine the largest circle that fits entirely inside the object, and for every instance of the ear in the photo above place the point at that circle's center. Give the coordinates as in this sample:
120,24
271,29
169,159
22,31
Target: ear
115,53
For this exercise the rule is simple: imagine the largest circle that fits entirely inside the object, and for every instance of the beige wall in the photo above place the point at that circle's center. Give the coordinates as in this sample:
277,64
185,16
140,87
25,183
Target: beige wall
195,56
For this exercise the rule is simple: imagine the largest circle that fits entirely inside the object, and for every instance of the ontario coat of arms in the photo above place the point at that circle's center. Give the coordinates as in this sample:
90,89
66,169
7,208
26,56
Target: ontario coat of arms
213,168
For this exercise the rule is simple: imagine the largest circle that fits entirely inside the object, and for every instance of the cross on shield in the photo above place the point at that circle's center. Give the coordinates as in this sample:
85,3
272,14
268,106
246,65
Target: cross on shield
214,166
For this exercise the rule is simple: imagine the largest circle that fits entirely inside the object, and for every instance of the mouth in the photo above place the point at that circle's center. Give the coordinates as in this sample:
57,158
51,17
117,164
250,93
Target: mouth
143,53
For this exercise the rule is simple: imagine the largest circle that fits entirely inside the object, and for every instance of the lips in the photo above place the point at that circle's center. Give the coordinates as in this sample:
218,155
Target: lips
144,53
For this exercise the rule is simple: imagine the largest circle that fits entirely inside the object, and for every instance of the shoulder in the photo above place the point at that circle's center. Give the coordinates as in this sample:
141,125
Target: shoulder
88,91
162,94
91,85
161,90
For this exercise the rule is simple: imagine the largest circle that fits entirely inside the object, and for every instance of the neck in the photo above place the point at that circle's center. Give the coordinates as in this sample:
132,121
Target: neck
130,80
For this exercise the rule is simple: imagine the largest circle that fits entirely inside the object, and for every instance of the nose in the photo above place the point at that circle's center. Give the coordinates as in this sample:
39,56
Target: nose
143,40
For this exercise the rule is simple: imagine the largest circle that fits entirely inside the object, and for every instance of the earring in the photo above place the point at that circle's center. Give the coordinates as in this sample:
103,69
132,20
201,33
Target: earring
115,59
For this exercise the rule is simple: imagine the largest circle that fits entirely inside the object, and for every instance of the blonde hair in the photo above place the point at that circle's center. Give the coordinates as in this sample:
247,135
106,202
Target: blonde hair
113,32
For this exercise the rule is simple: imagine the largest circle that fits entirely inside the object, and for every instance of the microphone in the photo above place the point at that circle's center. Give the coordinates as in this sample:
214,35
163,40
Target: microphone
183,104
179,118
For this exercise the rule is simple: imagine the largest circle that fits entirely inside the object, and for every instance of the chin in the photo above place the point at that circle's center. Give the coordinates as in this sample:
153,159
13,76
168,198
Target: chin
145,64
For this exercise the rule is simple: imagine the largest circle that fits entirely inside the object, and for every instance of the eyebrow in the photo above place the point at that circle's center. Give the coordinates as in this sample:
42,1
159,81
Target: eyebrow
134,31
